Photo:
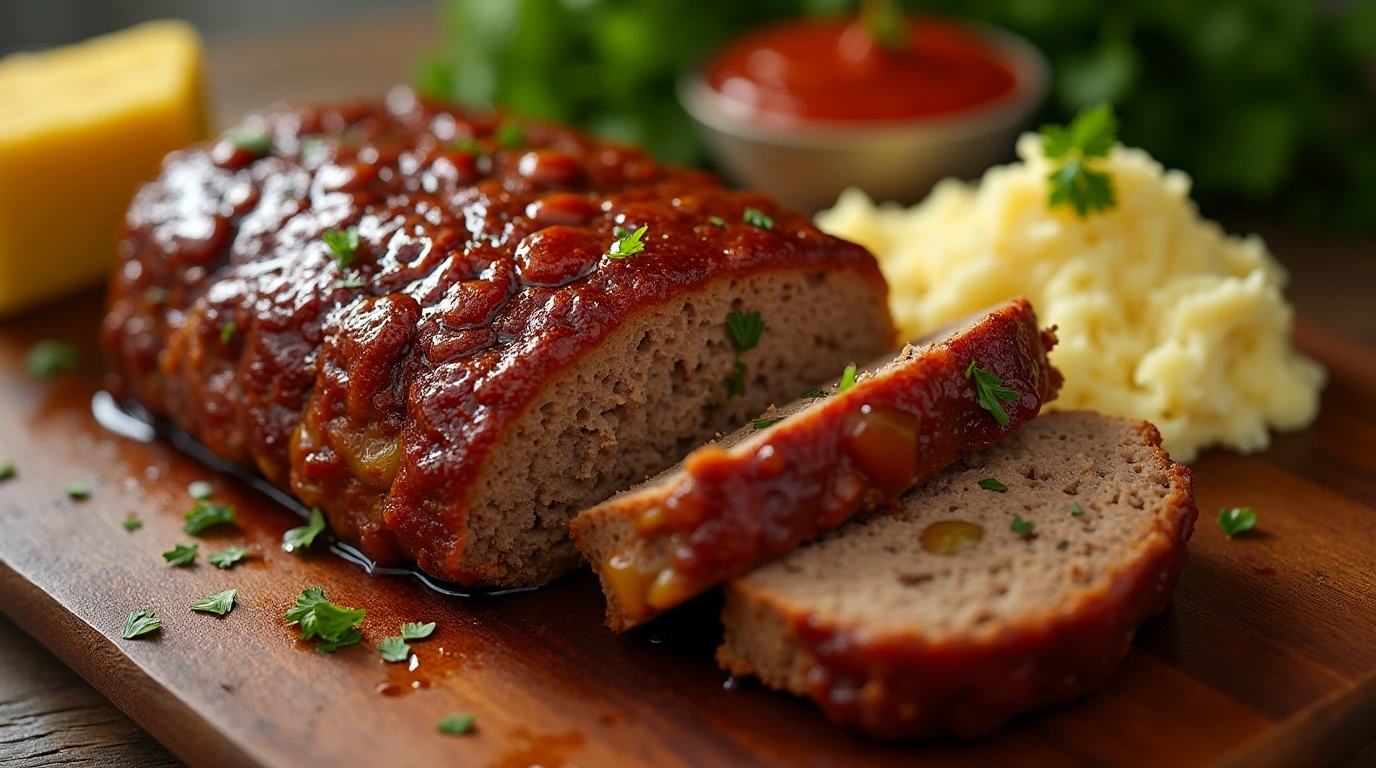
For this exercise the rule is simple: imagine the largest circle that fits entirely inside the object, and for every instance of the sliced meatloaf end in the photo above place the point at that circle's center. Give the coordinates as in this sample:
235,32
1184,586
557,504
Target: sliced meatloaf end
787,477
960,607
448,328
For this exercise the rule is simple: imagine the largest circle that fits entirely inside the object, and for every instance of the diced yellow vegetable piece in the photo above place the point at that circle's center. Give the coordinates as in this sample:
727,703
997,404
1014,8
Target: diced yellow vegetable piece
80,128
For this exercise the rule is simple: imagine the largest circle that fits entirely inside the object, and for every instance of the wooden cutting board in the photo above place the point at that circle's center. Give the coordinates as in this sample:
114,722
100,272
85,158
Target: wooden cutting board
1265,656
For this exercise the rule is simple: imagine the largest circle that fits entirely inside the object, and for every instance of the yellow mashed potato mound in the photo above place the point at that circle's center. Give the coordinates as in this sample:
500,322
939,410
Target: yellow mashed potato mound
1161,315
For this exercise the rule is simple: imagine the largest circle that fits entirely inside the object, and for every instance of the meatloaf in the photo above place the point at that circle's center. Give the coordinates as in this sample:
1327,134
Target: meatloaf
971,601
450,329
786,477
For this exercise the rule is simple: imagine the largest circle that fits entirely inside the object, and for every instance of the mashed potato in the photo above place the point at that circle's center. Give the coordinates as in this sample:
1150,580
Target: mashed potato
1161,316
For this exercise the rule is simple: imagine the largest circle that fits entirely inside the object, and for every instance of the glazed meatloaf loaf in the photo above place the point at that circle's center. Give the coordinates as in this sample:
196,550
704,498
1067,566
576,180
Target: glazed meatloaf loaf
785,478
451,329
1014,580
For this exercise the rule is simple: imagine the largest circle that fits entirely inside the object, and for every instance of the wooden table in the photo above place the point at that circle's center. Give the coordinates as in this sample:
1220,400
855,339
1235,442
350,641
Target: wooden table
49,715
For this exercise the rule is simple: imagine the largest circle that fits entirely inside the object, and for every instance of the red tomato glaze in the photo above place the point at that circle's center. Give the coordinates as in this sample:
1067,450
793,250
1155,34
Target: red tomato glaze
832,69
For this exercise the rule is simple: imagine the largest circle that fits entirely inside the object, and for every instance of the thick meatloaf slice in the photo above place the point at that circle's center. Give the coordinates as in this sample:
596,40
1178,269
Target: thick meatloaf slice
451,329
946,614
789,476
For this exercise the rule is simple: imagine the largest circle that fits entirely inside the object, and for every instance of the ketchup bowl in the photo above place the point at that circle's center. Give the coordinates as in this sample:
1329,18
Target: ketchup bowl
806,108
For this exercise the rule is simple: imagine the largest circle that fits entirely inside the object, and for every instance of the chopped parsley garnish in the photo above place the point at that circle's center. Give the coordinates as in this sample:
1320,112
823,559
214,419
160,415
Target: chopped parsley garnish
414,630
227,332
1062,544
256,143
764,423
735,382
132,522
1075,510
886,23
627,243
1090,136
1236,520
351,283
343,244
745,329
205,514
456,724
1020,526
318,617
140,623
50,357
468,144
716,221
992,484
200,490
510,134
181,554
990,390
303,537
814,393
394,649
847,379
7,471
227,557
757,218
219,603
78,491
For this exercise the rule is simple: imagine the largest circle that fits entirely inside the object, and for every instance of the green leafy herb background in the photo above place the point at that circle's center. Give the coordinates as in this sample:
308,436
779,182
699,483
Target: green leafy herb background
1261,101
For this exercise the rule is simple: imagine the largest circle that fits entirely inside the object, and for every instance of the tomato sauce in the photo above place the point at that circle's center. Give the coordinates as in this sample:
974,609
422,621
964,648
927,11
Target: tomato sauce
834,69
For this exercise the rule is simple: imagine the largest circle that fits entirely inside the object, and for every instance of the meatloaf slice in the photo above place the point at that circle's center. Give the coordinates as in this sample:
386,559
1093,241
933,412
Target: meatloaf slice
791,475
452,328
962,606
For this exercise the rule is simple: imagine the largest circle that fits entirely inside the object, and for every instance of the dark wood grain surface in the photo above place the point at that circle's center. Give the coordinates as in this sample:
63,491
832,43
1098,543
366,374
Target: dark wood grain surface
1238,657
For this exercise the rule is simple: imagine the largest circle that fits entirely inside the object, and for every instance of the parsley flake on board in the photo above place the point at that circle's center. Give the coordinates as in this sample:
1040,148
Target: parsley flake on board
256,143
414,630
1236,520
990,390
1062,544
510,134
205,514
992,484
303,537
140,623
1020,526
457,724
181,554
132,522
227,332
1089,136
764,423
318,617
847,379
757,218
394,649
7,471
343,244
1075,510
735,382
50,357
78,491
227,557
219,603
200,490
627,243
745,329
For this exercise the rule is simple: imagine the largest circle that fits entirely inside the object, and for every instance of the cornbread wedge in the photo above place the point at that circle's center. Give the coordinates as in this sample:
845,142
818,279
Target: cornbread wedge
960,607
782,480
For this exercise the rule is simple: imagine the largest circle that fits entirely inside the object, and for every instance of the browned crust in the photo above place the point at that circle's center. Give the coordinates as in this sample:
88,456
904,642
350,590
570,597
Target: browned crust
1006,341
1070,649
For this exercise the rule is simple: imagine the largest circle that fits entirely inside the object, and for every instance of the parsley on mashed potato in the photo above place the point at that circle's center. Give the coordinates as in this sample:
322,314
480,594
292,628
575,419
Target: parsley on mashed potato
1161,315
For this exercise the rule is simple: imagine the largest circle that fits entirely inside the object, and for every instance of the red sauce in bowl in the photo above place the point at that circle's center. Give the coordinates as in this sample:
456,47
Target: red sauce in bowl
834,69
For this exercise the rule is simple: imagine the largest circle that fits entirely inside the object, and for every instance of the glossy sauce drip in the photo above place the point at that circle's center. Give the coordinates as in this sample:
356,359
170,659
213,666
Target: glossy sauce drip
832,69
951,537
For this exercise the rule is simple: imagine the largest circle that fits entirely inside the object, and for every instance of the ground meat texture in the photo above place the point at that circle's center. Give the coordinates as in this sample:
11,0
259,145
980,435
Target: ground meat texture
387,383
